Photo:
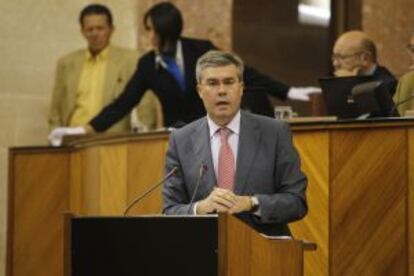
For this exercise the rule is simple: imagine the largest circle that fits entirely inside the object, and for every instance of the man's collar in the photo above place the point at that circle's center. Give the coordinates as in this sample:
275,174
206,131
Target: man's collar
234,125
103,55
371,70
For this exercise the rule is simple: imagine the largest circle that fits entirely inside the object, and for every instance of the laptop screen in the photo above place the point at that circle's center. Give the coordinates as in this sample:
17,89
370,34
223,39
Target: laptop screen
337,92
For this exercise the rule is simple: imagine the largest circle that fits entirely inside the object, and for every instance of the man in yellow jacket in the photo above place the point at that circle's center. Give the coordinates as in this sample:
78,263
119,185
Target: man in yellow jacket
89,79
404,97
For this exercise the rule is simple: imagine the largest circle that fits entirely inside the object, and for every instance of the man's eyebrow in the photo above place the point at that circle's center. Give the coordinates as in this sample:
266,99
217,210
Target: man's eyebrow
218,78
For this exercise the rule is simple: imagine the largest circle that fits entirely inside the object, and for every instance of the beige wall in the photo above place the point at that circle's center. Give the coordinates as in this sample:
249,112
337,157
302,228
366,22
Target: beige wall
33,35
390,23
201,20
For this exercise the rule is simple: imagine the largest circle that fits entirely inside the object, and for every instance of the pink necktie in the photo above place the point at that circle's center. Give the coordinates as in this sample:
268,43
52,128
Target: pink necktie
226,161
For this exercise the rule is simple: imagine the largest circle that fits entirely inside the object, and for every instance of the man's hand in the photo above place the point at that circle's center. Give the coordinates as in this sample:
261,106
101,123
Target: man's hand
219,201
224,201
243,204
302,93
56,135
346,73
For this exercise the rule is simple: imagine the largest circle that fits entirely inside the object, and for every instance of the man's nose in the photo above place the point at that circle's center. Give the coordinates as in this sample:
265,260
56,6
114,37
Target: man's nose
222,88
94,32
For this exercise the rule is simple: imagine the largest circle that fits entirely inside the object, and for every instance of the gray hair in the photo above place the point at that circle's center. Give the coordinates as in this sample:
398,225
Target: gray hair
369,46
216,58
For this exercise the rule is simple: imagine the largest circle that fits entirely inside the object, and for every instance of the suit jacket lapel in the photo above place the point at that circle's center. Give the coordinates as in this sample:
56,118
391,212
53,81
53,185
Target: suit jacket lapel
202,151
73,76
250,136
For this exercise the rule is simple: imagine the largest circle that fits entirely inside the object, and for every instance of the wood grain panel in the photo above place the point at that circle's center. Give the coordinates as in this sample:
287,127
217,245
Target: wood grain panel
244,252
75,178
411,200
40,198
113,174
368,212
239,249
145,169
276,257
90,181
313,148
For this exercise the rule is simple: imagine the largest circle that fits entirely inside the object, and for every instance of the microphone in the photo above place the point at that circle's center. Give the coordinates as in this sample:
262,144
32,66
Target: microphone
400,103
140,197
203,169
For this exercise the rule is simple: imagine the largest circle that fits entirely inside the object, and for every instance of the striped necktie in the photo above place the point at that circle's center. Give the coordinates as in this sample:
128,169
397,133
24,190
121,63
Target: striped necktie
226,161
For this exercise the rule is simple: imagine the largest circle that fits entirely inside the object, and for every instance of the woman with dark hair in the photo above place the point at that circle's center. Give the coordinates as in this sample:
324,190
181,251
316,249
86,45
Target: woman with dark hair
169,71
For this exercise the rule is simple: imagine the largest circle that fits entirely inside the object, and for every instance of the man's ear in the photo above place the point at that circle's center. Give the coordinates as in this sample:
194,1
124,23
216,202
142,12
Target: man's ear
366,57
242,87
199,91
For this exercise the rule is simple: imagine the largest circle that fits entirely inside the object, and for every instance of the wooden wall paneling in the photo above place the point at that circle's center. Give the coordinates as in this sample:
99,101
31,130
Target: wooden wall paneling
368,212
238,248
266,264
410,216
244,252
313,148
146,168
113,179
90,180
40,197
76,184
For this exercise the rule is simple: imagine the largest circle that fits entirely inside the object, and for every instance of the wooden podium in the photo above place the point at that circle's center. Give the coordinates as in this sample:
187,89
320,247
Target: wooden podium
360,194
177,245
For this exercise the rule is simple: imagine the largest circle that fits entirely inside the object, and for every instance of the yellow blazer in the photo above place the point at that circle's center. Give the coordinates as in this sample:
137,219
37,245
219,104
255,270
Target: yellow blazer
404,92
121,65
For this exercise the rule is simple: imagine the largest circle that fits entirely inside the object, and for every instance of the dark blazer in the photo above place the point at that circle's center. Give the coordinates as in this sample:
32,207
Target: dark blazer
390,82
178,106
268,166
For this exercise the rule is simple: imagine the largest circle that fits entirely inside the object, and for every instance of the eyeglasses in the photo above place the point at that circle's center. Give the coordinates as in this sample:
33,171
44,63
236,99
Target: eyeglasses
214,84
343,57
410,48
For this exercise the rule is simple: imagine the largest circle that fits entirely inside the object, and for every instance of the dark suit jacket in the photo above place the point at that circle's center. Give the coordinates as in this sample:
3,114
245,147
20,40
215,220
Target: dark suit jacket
390,82
268,166
178,106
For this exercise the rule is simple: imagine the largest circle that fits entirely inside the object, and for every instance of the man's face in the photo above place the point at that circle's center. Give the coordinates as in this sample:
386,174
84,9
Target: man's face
347,58
221,90
97,31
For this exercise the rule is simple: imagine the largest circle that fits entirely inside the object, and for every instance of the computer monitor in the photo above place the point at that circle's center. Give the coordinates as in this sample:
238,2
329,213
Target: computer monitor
374,98
352,97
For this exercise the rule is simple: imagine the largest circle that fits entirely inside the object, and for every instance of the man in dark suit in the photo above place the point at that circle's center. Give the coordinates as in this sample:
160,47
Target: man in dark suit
233,161
168,71
355,53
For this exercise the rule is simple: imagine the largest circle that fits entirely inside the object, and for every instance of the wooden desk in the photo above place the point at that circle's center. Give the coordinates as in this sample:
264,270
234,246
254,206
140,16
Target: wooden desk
360,197
360,194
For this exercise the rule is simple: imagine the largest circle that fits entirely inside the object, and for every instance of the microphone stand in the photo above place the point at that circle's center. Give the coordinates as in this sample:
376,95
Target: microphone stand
137,199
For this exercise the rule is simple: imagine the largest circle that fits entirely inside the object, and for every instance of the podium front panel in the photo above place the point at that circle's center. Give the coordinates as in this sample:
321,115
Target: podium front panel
144,245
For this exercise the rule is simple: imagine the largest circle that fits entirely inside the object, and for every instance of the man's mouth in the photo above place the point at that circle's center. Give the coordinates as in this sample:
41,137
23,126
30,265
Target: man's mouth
222,103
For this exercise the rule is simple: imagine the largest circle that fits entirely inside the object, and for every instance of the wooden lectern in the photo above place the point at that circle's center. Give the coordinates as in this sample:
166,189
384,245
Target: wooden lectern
180,245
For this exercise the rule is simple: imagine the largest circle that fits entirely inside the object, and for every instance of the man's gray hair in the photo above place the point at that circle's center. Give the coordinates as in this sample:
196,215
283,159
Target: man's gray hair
216,58
369,46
